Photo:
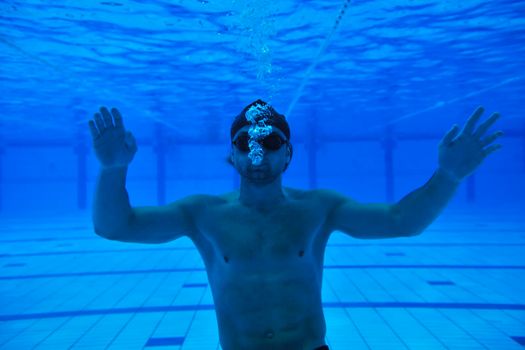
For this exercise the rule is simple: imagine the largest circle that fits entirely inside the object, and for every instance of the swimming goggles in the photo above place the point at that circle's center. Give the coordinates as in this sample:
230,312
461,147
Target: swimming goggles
271,142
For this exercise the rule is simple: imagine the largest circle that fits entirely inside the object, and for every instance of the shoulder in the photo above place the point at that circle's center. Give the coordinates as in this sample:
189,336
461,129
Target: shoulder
329,199
317,194
196,202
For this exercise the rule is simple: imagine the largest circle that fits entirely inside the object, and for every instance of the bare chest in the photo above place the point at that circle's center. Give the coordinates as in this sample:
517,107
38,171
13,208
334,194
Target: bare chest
241,235
265,270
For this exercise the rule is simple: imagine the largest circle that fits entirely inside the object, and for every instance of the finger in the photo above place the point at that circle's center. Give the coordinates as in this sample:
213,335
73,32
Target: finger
93,129
119,124
450,135
100,123
471,122
107,117
486,125
491,138
491,149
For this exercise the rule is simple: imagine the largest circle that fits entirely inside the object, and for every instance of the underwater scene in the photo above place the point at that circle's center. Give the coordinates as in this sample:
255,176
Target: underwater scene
262,175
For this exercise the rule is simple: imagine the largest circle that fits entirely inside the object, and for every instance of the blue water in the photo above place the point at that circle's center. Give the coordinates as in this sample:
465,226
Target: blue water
369,89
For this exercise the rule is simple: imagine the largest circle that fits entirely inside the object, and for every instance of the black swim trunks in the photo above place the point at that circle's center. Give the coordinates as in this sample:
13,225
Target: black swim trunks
323,347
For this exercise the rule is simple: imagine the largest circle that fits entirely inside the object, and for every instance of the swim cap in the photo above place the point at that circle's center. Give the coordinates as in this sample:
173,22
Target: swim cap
271,117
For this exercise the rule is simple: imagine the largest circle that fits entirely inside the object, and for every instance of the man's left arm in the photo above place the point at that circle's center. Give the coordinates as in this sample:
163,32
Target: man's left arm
459,155
417,210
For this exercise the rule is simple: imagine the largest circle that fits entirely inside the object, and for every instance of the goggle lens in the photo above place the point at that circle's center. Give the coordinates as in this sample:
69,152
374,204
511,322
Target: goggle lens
271,142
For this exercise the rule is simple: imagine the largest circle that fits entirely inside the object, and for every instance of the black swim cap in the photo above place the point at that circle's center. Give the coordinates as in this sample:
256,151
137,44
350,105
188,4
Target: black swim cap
275,119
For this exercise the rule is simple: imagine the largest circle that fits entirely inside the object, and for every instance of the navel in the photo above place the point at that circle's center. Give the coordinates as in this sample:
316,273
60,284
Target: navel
226,259
301,253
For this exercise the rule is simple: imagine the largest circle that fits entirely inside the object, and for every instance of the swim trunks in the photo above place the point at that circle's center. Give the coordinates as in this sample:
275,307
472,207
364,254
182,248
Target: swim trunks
323,347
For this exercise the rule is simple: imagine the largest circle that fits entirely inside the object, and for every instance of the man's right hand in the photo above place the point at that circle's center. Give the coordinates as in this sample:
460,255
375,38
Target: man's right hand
114,146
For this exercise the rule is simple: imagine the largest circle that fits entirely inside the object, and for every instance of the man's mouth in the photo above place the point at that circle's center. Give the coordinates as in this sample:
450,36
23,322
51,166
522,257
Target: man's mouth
259,168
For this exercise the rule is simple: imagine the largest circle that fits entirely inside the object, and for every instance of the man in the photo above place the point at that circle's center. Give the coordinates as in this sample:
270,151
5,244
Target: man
263,245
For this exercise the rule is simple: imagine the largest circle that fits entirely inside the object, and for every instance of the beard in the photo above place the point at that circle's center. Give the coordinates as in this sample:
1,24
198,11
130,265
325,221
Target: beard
260,175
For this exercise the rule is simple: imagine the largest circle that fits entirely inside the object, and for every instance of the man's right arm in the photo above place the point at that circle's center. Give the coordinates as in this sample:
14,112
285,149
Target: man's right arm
113,216
115,219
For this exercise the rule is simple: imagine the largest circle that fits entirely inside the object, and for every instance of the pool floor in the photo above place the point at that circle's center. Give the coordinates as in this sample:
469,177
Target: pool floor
459,285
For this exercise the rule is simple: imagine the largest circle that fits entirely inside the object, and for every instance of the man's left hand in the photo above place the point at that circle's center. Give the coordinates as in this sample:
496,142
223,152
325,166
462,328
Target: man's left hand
460,156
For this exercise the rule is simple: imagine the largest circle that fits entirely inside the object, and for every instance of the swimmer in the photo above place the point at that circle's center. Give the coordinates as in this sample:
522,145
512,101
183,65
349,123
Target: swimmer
263,245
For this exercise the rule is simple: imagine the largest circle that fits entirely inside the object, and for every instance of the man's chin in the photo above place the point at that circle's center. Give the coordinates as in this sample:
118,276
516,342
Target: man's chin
260,177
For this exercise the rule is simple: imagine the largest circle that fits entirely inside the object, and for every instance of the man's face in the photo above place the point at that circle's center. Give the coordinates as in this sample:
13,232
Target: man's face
271,167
